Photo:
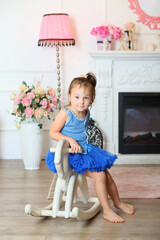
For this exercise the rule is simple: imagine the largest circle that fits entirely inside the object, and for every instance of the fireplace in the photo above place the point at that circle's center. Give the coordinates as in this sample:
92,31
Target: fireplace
139,123
136,73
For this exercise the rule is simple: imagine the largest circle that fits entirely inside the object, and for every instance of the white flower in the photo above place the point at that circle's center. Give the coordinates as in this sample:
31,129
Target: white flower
12,96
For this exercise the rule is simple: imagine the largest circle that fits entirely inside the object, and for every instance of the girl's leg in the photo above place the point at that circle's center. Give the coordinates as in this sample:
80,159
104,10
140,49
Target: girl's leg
102,194
113,193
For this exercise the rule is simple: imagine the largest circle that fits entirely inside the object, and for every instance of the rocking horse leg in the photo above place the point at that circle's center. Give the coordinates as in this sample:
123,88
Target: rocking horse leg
70,195
57,198
82,183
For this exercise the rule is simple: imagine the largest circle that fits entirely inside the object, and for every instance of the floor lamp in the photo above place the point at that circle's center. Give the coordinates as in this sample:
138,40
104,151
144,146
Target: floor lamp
56,31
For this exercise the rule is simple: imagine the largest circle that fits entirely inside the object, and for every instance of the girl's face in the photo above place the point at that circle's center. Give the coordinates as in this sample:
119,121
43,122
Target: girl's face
80,98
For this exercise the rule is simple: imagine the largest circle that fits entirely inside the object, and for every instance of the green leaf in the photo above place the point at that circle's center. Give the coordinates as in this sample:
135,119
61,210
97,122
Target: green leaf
24,83
40,125
34,102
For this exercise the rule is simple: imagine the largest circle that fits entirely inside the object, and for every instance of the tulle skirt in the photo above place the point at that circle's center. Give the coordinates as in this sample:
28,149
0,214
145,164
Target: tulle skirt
96,159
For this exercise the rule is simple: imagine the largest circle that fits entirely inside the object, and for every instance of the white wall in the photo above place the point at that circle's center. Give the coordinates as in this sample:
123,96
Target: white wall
21,58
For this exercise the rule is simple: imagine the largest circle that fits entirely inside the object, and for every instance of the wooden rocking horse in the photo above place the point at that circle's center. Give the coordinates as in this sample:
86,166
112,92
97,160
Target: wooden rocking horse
67,183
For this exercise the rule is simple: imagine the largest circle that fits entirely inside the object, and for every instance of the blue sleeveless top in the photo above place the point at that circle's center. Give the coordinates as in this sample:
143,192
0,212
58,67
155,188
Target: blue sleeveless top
77,129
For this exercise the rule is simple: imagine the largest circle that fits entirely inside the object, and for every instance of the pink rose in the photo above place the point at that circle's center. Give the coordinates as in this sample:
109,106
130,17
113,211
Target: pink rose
54,100
17,99
30,95
26,101
44,103
94,31
51,92
52,106
103,31
39,112
23,94
117,33
29,112
34,105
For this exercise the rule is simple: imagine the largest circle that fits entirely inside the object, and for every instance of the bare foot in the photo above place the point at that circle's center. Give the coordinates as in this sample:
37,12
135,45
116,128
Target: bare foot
113,217
126,208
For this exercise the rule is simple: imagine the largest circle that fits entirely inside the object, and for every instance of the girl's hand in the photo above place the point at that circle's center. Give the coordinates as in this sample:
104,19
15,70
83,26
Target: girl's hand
75,146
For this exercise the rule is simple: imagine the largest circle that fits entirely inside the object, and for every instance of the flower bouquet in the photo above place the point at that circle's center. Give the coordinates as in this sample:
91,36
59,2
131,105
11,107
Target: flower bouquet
34,102
105,34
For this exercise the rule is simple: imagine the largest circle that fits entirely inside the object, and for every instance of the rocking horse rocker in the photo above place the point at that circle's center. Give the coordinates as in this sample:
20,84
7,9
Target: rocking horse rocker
66,185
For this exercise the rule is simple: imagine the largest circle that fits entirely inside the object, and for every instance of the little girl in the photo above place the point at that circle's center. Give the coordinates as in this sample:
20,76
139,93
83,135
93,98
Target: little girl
71,124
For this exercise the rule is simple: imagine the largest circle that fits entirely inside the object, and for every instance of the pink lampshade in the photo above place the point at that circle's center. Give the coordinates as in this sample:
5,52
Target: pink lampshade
56,30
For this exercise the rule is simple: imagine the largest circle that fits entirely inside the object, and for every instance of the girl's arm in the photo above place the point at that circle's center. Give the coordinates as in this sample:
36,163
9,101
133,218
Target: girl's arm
57,125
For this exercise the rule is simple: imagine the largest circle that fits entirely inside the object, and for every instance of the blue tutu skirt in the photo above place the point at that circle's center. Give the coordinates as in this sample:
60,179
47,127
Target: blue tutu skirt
96,159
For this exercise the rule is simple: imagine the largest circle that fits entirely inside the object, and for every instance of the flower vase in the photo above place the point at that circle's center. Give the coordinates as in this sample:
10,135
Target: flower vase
99,43
31,144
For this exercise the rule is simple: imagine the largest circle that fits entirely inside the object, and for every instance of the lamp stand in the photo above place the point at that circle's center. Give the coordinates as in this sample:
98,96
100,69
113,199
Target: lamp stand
58,75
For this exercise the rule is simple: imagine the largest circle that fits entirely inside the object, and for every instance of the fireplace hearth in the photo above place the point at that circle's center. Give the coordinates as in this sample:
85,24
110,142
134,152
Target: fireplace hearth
139,123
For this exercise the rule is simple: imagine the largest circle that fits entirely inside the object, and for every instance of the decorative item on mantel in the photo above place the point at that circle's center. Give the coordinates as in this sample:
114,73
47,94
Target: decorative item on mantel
31,105
105,34
128,41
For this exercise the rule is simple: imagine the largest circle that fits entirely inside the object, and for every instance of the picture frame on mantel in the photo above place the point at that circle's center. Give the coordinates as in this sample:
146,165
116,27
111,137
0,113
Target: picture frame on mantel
147,11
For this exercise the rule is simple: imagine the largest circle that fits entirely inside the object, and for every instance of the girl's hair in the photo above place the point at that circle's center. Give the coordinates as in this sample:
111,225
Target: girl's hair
88,80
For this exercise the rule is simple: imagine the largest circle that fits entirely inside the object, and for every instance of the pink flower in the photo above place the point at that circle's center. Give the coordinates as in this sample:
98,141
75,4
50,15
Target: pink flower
52,106
15,107
117,33
62,100
30,95
54,100
39,112
103,31
49,110
23,94
43,102
37,100
26,101
17,99
94,31
108,30
51,92
29,112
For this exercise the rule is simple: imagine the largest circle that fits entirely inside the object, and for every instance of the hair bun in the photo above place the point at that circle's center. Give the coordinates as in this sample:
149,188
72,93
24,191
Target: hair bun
91,78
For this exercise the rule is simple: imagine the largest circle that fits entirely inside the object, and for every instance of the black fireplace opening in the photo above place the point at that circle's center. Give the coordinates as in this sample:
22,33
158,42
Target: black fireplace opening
139,123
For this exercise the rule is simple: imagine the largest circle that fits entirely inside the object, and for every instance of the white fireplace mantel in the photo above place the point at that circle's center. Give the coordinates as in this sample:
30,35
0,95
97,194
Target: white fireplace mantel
123,71
126,55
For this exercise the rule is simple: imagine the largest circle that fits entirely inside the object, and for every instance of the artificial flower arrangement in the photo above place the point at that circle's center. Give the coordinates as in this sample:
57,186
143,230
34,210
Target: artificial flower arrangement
107,30
34,102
